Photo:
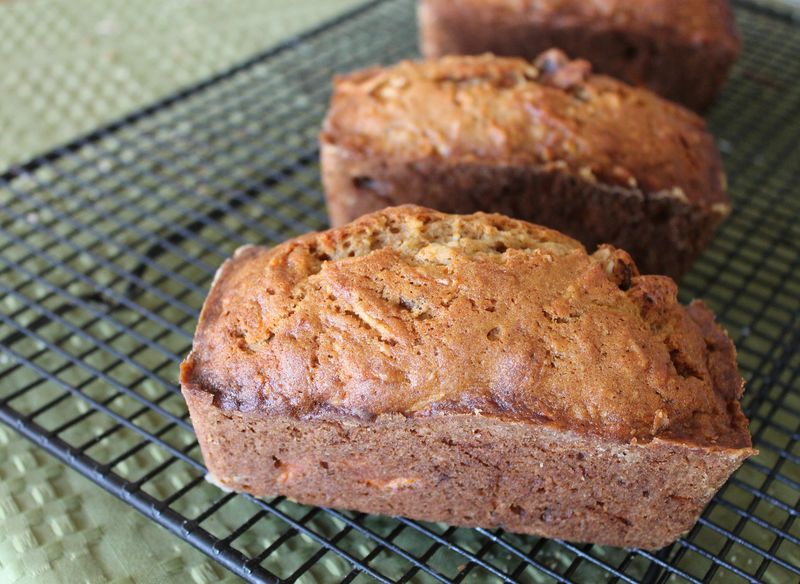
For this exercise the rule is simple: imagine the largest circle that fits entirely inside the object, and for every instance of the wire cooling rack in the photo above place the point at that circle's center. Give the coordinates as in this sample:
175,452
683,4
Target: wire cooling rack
108,246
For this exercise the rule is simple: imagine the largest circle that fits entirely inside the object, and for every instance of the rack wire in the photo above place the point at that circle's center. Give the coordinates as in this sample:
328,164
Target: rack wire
108,246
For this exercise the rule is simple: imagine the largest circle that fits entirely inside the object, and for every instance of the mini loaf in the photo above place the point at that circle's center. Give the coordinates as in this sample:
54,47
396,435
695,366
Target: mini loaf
681,49
547,142
475,370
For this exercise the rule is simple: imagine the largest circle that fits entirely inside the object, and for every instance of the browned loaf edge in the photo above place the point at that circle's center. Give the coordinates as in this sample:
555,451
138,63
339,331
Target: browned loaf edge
681,50
545,142
475,370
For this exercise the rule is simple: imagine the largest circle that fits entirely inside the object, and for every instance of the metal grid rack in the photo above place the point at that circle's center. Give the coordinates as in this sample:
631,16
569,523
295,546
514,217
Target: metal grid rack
108,245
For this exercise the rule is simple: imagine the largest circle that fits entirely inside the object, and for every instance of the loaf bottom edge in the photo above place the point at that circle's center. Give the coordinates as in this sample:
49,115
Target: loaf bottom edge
468,470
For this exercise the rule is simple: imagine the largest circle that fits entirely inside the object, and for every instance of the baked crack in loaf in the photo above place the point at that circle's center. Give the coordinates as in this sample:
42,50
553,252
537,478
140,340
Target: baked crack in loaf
547,142
475,370
681,49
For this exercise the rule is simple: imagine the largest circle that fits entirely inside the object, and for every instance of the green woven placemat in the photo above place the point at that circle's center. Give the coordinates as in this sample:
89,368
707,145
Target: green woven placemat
67,67
70,65
59,527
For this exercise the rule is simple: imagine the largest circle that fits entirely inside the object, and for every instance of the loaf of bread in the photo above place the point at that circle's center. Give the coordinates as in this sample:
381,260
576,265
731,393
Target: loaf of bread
475,370
547,142
681,49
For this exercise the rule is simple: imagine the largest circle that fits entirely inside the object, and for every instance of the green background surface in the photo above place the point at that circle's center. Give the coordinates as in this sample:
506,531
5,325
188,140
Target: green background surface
70,65
66,67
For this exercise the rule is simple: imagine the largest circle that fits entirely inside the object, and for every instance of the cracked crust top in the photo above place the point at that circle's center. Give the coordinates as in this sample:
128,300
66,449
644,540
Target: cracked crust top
552,114
420,313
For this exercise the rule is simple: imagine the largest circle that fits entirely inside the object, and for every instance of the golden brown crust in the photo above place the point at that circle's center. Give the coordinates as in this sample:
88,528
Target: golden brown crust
413,312
546,142
551,115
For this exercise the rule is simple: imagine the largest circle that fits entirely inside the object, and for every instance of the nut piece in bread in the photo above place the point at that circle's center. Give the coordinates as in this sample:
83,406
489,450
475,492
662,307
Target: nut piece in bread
475,370
680,49
546,142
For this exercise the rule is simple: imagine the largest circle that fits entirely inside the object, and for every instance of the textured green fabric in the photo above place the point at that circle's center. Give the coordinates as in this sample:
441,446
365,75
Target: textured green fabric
68,66
59,527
